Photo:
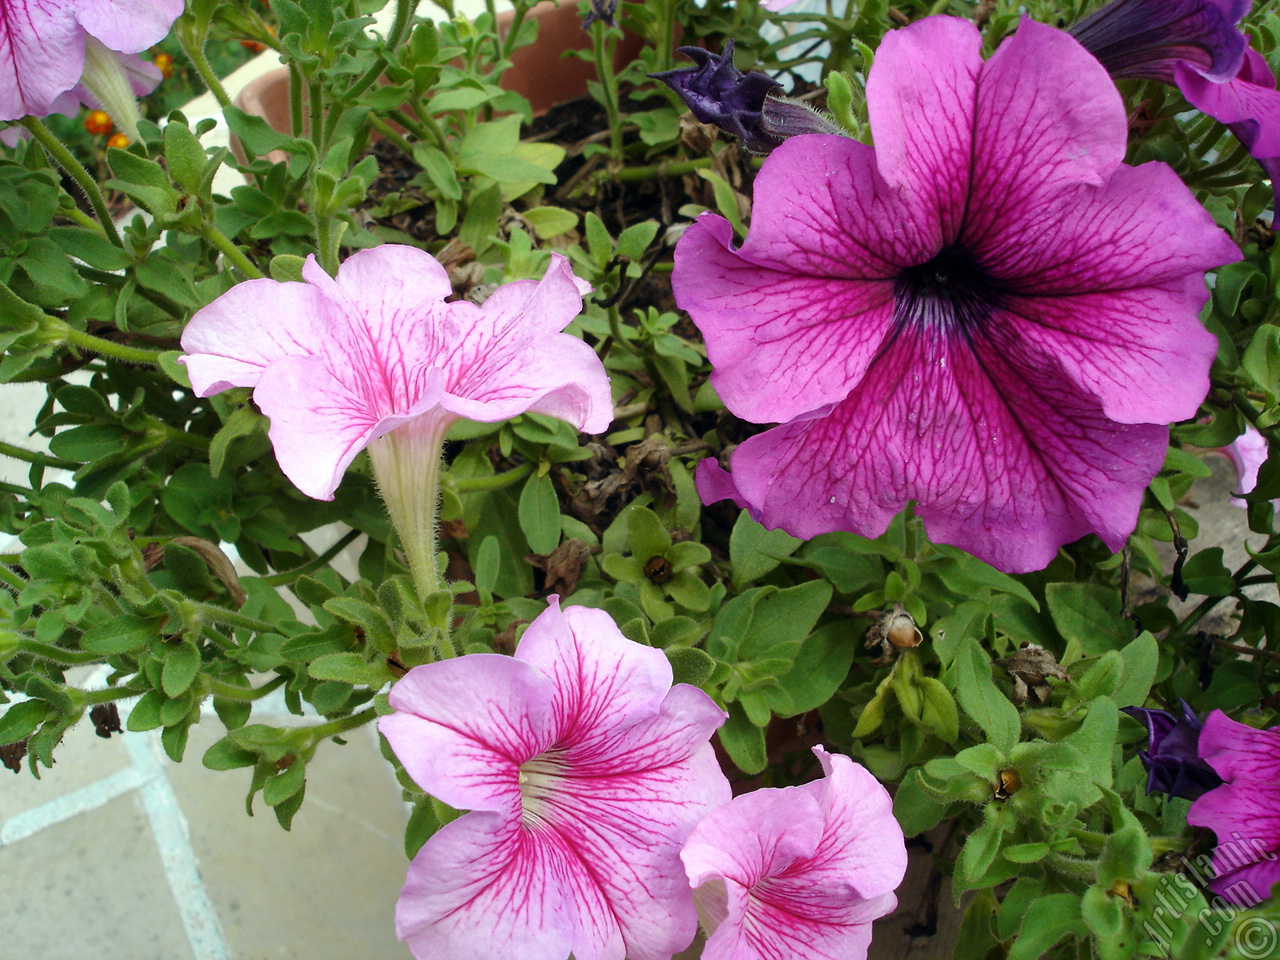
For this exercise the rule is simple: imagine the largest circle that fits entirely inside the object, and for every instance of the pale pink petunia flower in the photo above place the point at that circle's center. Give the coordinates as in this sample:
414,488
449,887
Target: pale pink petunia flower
798,872
584,769
1244,813
1247,453
339,362
987,313
56,54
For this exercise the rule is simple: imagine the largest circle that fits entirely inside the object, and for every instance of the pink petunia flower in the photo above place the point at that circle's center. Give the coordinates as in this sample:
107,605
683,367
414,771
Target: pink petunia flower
56,54
986,313
1247,453
375,357
584,769
798,872
1244,812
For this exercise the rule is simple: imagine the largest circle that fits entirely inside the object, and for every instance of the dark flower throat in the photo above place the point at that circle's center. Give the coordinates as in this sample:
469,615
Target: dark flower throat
949,293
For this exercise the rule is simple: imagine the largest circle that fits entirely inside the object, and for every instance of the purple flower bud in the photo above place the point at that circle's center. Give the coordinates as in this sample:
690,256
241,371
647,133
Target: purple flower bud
1148,38
1172,758
717,92
603,10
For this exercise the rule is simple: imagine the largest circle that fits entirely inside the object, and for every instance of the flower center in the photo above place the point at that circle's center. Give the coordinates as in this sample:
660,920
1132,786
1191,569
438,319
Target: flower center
540,779
950,293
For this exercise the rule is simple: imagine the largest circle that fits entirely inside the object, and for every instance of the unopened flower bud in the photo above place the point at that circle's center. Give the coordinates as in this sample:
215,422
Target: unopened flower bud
902,631
1007,784
783,117
118,140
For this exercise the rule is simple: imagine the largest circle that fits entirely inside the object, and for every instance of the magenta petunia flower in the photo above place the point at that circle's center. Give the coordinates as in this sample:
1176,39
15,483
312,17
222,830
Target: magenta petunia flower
584,769
987,313
338,363
55,54
798,872
1244,812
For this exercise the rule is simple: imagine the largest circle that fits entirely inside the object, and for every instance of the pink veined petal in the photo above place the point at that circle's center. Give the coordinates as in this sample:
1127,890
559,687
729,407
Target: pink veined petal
463,727
1249,885
753,836
781,343
487,886
1237,751
1248,452
1245,817
1250,100
624,828
511,357
41,55
1005,457
603,681
129,26
1048,117
772,931
915,149
862,844
232,340
385,335
318,425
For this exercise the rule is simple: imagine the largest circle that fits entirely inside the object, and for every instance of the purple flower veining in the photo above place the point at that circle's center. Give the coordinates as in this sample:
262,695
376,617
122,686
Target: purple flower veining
1244,812
1171,759
987,313
584,769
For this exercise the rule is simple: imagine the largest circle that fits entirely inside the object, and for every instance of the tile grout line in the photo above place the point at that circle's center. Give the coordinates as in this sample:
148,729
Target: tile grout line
50,814
169,827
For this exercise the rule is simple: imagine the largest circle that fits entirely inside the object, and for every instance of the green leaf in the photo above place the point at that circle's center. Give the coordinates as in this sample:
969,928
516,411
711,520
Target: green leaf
548,222
539,513
915,809
1047,921
939,713
982,699
21,720
1089,614
690,665
1141,662
181,664
755,551
439,170
784,615
743,741
123,634
226,755
817,672
285,784
350,668
184,156
648,537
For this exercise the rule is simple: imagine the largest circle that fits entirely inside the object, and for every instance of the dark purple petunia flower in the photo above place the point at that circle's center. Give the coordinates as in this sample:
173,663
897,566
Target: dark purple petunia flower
742,104
1171,759
1149,38
986,313
1244,812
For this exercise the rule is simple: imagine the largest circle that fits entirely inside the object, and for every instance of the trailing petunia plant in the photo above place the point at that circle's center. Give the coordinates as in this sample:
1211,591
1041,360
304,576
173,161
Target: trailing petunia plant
790,453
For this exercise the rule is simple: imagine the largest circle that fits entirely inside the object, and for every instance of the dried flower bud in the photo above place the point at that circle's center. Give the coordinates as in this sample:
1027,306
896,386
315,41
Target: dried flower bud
1007,784
603,10
783,117
902,631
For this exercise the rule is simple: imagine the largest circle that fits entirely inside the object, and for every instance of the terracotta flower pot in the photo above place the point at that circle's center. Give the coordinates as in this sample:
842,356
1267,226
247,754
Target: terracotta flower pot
540,72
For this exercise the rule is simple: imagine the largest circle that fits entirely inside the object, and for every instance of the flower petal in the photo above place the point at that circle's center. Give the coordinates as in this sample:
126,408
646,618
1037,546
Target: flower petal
482,887
1249,103
603,681
862,844
41,55
511,357
463,727
715,483
1245,817
232,340
318,426
753,836
128,26
1238,751
1148,38
1048,118
1005,457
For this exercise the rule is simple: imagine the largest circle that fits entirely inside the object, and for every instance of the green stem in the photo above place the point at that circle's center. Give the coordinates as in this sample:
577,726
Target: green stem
245,694
6,487
118,282
316,105
231,618
78,173
1086,870
109,348
603,43
82,218
107,695
196,53
68,658
174,435
673,168
399,26
495,482
509,41
430,124
295,99
337,727
389,133
32,456
232,252
288,576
